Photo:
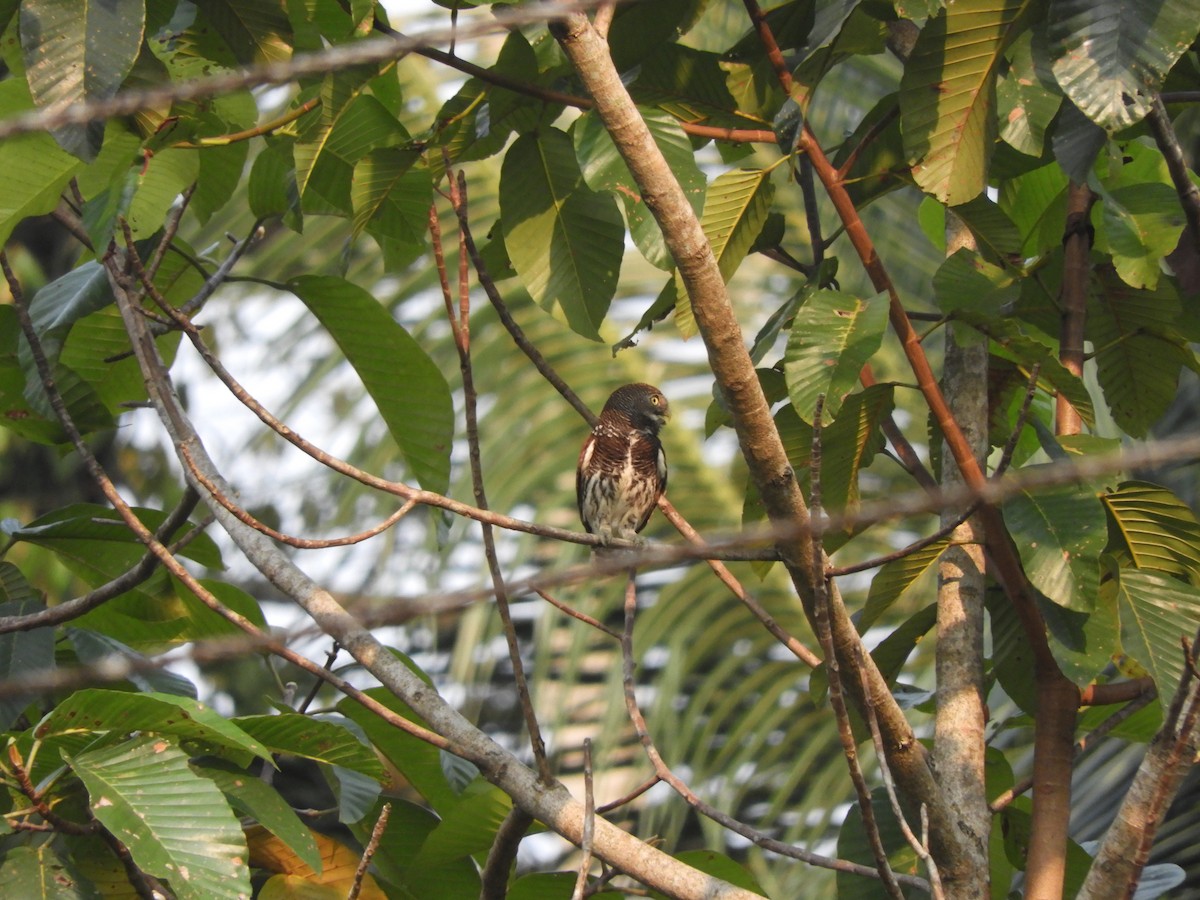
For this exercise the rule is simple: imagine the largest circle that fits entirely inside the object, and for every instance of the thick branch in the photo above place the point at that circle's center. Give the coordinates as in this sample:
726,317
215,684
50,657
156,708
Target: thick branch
734,371
959,742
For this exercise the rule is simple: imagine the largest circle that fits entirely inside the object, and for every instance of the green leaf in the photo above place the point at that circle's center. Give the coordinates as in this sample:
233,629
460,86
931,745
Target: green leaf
1037,203
565,240
53,310
272,189
251,796
75,53
21,652
692,86
735,210
158,185
1024,344
1157,613
38,871
321,740
348,126
93,648
175,823
1027,99
1139,224
256,31
1138,354
407,387
1153,529
604,170
97,524
896,577
1059,532
833,337
419,762
35,168
1111,56
469,827
853,845
122,712
966,280
390,196
948,96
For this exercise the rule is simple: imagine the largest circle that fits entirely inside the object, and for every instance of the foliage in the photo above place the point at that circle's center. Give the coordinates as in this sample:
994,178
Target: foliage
341,186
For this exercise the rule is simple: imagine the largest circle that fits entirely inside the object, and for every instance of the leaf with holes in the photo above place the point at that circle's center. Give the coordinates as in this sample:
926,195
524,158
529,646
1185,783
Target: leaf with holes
175,823
1059,532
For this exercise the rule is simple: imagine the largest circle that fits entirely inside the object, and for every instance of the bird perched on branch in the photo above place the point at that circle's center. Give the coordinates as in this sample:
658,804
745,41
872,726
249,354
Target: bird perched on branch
622,468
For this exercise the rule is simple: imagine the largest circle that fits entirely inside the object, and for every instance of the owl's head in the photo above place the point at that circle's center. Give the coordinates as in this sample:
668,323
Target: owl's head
643,404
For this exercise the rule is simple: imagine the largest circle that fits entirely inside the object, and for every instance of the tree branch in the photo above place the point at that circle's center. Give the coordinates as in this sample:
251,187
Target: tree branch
734,371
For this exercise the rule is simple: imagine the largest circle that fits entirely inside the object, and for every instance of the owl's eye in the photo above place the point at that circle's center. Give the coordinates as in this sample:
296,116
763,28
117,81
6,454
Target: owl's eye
656,400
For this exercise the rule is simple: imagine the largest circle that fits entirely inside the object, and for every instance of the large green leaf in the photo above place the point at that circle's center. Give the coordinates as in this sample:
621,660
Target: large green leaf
849,444
407,387
1153,529
1157,613
965,279
1111,56
948,96
604,170
53,310
833,336
255,31
1036,203
348,125
735,210
1027,99
391,196
93,648
692,86
317,739
1138,355
418,761
35,168
250,795
565,240
469,827
122,712
1139,224
77,52
175,823
896,577
1059,532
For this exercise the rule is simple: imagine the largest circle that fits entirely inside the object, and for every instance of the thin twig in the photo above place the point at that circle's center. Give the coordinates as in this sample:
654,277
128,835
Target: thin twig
837,701
589,823
458,197
664,773
920,846
631,796
372,845
576,614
